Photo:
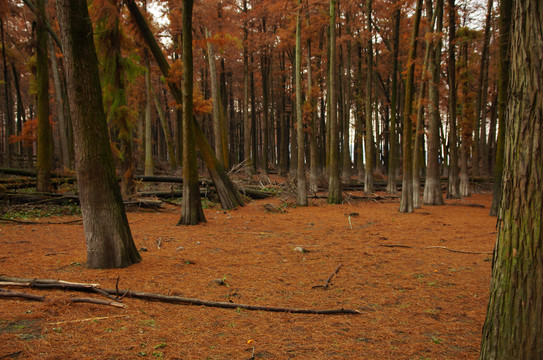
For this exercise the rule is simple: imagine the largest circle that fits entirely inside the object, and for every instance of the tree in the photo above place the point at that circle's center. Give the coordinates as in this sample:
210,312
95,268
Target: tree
301,185
391,181
192,212
432,186
453,190
513,325
334,184
107,233
370,148
44,161
503,84
406,203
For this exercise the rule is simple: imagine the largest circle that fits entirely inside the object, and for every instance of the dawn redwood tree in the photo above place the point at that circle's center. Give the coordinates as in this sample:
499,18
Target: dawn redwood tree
513,328
107,233
503,84
391,181
406,203
432,186
301,185
44,161
192,212
453,190
370,148
335,195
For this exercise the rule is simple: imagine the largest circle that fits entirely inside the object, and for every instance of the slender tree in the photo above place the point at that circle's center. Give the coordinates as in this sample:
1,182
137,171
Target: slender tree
453,190
107,233
406,203
192,212
513,325
334,185
301,185
44,162
432,186
370,147
392,163
503,84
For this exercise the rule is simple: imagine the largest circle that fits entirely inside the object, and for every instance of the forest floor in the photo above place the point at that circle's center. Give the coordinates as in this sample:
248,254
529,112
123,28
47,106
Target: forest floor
420,300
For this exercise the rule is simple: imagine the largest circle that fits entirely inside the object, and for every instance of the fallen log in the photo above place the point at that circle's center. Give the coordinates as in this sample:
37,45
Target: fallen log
14,294
56,284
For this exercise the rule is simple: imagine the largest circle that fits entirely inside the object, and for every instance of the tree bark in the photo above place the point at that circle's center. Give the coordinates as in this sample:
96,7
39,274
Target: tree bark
9,126
192,212
453,190
370,147
392,163
149,166
503,85
432,186
301,183
107,233
44,161
406,203
335,195
513,325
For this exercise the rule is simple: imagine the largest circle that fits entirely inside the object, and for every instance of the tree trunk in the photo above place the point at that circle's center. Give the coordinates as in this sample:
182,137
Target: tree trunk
392,163
192,212
370,147
506,7
108,236
149,166
9,126
216,105
406,203
313,149
466,123
301,185
44,162
513,325
432,186
453,190
62,127
165,130
335,195
246,122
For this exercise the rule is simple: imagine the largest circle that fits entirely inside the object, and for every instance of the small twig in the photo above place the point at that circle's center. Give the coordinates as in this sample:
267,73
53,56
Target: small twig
327,283
396,245
436,247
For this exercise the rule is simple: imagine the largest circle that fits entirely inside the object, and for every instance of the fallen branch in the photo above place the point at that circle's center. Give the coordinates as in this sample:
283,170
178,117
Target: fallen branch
15,294
437,247
88,319
327,283
56,284
467,204
27,222
98,302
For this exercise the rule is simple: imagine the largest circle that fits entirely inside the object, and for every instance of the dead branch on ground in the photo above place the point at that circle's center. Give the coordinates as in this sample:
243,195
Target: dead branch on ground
58,284
327,283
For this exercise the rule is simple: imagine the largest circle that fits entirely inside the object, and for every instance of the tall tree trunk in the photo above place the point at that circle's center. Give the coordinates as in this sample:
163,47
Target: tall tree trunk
453,191
313,149
215,96
107,233
60,103
335,195
432,186
21,117
406,203
370,147
513,325
392,163
301,185
506,7
9,126
466,123
44,162
223,102
149,166
480,111
192,212
418,146
246,122
165,130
